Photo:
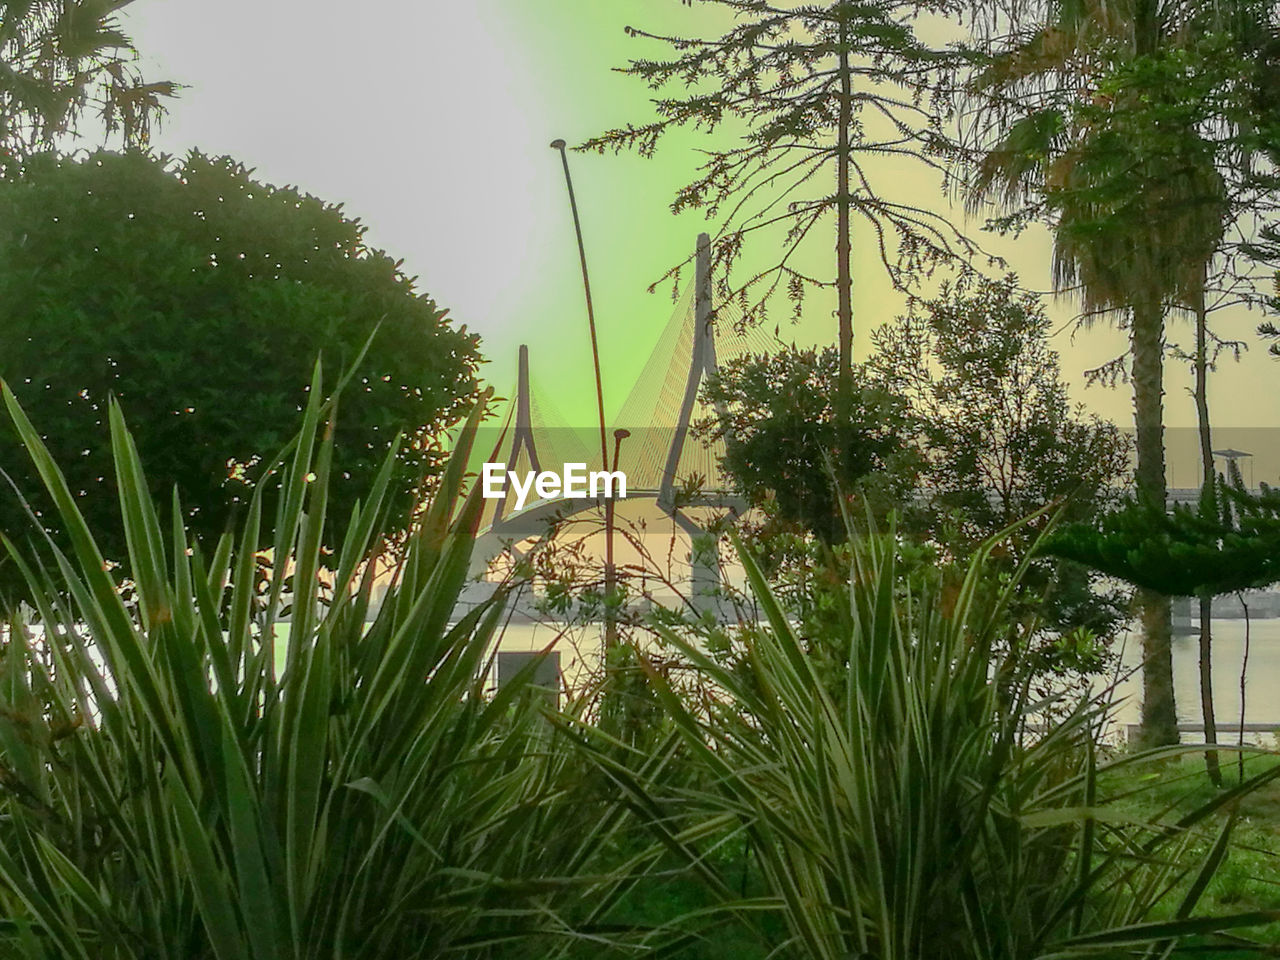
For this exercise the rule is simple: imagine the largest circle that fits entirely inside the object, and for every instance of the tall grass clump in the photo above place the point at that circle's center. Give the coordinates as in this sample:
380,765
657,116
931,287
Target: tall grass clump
909,809
166,791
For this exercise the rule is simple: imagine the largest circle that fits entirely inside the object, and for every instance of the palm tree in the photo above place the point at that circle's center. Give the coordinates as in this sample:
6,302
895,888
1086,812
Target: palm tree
1092,118
62,58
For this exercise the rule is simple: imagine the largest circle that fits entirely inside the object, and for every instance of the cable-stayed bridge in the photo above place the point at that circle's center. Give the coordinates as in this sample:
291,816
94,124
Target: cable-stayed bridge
662,461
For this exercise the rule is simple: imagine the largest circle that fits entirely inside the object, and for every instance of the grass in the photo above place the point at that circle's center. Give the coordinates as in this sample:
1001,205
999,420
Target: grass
1249,878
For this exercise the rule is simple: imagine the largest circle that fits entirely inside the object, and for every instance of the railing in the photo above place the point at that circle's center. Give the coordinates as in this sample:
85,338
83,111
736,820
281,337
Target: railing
1132,731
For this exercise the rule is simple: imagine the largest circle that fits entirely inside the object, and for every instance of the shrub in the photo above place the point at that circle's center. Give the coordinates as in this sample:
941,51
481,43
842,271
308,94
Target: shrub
199,297
905,811
168,792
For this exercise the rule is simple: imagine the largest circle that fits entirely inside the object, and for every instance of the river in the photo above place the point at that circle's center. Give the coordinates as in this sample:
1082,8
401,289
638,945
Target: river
1262,686
579,647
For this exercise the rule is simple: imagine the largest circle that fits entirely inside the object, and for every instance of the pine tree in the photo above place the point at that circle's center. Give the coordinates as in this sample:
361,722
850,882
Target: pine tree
1228,543
803,94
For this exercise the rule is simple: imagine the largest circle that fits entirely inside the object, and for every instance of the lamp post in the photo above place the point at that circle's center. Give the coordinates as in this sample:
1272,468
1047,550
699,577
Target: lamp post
586,288
1231,456
610,571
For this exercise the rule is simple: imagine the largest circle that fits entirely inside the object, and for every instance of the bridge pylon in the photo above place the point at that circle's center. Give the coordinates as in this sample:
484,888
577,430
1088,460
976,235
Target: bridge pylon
704,559
522,435
702,364
654,463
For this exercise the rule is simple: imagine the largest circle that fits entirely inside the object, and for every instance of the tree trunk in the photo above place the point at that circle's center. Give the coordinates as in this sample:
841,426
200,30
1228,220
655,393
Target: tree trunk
1159,716
1208,495
844,245
1206,690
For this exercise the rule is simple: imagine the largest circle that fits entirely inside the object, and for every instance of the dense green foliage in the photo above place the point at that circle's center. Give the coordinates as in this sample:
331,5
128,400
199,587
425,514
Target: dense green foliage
785,442
248,712
999,435
184,777
1225,545
904,812
199,298
1000,440
961,425
188,775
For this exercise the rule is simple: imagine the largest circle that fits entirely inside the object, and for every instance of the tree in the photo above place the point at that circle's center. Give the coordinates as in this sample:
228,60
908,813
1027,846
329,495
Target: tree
814,477
787,445
62,58
1267,251
808,92
1118,126
1229,543
1000,439
1269,330
962,427
200,298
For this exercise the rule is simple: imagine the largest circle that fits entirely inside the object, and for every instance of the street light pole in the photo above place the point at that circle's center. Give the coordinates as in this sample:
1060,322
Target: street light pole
611,571
586,287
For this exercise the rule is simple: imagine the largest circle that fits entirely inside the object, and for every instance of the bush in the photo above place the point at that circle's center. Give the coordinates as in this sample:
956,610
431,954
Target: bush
168,792
199,298
906,812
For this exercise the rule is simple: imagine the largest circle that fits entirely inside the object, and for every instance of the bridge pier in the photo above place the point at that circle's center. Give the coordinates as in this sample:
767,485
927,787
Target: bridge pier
706,588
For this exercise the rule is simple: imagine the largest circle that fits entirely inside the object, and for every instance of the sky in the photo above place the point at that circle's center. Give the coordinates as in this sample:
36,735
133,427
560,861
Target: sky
431,122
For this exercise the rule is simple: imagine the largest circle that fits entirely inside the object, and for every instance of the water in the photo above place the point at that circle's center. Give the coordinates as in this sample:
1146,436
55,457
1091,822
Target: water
1262,686
579,647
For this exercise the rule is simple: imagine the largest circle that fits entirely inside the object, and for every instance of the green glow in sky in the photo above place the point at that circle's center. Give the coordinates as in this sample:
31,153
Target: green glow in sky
431,122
